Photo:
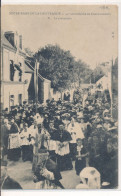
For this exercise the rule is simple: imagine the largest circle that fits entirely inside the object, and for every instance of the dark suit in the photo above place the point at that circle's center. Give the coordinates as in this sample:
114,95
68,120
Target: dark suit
4,139
4,136
9,183
52,167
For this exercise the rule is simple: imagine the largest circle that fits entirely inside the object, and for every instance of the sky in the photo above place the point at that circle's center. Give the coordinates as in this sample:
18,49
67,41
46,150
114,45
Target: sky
90,33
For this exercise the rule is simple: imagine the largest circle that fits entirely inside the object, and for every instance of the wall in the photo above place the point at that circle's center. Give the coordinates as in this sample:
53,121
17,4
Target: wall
27,76
12,89
105,82
7,56
46,90
56,95
8,87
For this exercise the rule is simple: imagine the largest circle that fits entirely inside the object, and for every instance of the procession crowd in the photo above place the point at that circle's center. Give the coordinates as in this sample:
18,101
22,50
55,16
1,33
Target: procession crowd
61,133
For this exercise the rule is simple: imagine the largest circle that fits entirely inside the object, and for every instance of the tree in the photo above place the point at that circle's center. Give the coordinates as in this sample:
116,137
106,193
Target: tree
60,67
82,71
29,52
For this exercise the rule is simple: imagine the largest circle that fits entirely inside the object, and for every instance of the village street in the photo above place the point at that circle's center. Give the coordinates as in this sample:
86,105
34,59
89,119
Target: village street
22,173
59,97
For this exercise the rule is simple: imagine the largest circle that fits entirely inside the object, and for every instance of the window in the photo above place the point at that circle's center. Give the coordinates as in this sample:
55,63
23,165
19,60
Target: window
11,100
20,99
15,72
12,70
20,76
20,72
16,75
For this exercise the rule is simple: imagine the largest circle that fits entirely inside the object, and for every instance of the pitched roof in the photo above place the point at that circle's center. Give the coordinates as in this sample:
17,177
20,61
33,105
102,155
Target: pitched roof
27,67
6,43
30,69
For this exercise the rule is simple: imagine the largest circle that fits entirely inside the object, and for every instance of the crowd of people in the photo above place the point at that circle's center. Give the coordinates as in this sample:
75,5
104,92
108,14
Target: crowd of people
57,135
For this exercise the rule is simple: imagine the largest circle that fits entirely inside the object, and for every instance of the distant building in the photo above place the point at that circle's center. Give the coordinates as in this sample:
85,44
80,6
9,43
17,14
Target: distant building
104,82
110,82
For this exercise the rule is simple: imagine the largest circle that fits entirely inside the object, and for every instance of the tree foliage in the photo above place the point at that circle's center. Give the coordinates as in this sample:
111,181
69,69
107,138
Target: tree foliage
60,67
29,52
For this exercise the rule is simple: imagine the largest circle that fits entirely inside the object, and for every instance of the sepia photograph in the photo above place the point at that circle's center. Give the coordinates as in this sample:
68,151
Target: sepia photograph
59,97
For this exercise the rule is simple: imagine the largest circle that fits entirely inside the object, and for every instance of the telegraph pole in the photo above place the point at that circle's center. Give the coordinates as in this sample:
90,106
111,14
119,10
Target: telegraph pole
36,83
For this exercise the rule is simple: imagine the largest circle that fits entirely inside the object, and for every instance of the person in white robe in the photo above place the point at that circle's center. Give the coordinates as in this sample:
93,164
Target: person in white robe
62,151
14,151
25,144
33,131
76,131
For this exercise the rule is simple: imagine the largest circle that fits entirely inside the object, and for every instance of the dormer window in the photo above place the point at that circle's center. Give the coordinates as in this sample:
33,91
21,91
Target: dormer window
14,39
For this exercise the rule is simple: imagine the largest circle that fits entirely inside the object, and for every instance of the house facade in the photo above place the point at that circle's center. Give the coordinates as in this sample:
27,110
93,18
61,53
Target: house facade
17,74
12,70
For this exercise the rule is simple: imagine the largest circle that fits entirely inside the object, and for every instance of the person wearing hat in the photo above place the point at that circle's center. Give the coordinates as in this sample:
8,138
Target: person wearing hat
81,154
6,181
33,132
82,124
79,113
52,140
102,143
66,96
47,174
110,163
94,150
25,146
46,121
38,119
59,101
4,137
106,124
62,151
75,127
30,119
88,130
72,145
14,151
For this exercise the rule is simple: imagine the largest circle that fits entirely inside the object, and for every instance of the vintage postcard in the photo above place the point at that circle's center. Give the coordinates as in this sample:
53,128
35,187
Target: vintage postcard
59,97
